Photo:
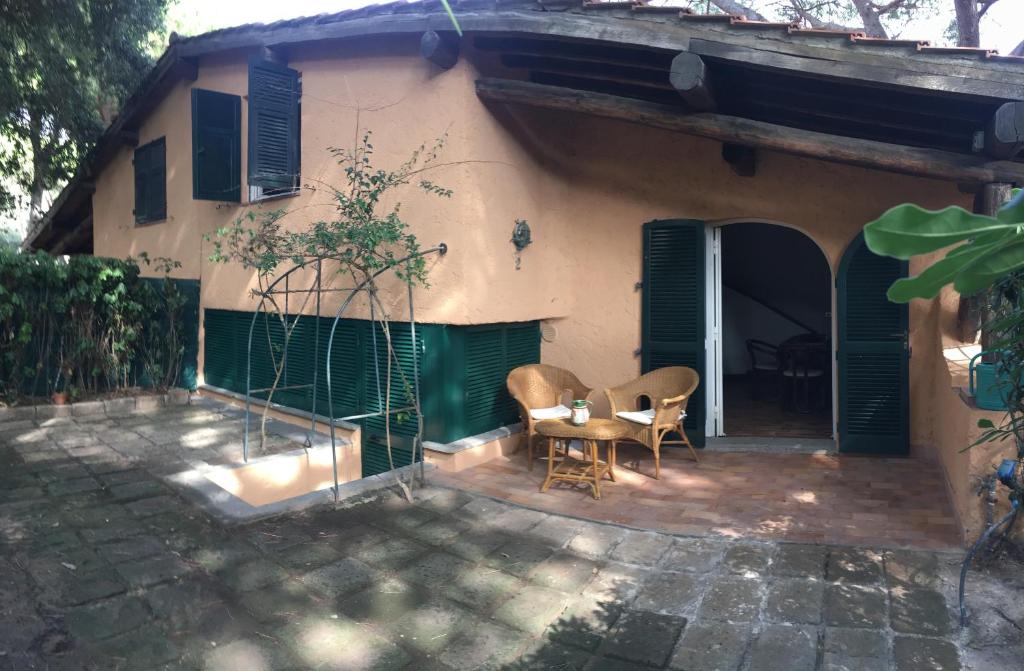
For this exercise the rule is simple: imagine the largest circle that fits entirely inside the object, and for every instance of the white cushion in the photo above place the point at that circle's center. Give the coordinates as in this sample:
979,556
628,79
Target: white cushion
642,416
557,412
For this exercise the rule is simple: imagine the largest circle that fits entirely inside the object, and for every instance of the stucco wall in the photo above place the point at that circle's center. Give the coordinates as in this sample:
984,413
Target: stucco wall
585,185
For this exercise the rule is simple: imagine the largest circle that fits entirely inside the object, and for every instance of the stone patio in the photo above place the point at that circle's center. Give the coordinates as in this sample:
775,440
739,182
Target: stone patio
104,567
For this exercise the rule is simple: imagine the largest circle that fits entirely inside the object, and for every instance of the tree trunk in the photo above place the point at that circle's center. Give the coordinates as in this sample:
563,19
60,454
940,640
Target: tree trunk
38,187
871,18
967,23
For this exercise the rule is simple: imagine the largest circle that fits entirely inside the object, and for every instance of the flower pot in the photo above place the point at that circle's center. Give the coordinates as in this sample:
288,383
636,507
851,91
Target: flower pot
60,398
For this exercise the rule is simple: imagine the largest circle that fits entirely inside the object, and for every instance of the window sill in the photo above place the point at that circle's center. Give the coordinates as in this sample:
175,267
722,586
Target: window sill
276,196
150,222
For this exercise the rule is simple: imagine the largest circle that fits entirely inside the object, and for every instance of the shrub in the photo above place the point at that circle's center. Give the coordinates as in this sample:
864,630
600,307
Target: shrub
89,324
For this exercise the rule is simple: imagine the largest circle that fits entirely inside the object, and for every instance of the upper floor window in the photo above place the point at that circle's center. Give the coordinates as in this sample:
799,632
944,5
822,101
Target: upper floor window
216,146
274,92
150,163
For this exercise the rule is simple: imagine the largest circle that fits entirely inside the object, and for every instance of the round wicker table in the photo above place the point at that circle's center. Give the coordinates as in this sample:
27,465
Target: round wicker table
590,469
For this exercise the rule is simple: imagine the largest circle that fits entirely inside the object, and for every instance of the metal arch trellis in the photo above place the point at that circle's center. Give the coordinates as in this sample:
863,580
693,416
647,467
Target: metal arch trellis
317,288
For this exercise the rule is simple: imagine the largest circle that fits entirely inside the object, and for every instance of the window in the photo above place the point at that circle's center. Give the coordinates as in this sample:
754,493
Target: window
274,92
150,182
216,146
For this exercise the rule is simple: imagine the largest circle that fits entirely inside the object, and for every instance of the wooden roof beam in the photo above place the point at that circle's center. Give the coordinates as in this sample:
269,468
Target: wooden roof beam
1004,137
441,49
931,163
690,77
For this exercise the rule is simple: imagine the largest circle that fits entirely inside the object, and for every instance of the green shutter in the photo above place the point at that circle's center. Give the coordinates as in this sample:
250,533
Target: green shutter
216,146
150,163
403,427
874,371
273,125
462,372
672,330
484,393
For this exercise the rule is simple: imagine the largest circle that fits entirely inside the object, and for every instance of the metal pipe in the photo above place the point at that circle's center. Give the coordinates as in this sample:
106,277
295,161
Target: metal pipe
1007,519
316,351
418,441
442,249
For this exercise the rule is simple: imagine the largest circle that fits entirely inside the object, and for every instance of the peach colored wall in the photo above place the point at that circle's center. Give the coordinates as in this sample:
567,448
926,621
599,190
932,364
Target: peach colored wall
585,185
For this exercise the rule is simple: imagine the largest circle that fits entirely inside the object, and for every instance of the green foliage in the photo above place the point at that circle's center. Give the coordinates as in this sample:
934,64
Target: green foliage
88,324
362,239
365,238
989,257
65,66
989,248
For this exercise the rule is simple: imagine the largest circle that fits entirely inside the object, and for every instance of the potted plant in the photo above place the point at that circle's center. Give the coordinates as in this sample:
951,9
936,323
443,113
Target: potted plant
60,394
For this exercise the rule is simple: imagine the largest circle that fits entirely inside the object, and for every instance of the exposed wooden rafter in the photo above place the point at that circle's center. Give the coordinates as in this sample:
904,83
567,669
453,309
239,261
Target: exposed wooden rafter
1004,137
932,163
441,49
889,75
689,76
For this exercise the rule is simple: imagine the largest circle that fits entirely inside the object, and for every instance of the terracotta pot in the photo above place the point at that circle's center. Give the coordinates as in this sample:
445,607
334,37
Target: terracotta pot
60,398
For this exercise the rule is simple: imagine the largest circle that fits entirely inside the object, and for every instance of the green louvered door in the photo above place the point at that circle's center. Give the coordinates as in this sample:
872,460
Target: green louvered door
874,375
673,306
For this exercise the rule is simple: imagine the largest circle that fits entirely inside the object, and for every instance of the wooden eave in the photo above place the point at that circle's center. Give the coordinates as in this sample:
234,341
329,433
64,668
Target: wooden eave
962,85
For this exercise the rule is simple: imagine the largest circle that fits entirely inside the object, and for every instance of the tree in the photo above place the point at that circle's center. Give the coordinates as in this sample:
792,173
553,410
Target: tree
876,19
968,20
65,66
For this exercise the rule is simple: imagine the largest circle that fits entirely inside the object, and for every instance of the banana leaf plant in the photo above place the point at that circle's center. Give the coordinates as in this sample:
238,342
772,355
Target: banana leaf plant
987,255
988,249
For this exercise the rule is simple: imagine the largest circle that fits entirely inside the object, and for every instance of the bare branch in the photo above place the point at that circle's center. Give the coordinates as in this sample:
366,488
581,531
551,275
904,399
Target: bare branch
734,7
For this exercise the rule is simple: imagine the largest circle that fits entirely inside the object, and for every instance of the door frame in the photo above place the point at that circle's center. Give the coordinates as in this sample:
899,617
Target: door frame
715,425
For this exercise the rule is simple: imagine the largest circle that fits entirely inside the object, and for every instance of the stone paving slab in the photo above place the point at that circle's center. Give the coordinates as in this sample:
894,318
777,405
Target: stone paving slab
103,566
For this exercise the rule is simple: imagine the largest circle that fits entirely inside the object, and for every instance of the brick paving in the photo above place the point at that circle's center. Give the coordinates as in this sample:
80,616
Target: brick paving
103,567
812,498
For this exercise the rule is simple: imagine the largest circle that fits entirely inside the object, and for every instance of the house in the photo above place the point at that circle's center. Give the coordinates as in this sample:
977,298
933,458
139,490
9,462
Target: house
694,183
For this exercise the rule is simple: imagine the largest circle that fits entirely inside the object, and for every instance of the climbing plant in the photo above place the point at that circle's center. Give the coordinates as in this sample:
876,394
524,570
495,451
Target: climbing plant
364,239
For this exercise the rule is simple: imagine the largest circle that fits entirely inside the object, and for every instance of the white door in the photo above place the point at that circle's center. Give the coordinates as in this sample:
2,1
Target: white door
714,424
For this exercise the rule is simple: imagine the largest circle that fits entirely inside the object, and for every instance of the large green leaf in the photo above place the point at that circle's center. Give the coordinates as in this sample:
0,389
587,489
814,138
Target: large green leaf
908,230
987,268
931,280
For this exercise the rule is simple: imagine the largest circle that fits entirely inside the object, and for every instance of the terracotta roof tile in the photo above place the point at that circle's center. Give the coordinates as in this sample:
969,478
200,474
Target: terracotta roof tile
960,51
1011,58
883,42
826,32
613,4
661,9
741,22
711,18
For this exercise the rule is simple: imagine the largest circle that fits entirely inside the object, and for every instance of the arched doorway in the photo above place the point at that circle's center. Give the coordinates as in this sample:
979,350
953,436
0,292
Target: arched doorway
772,286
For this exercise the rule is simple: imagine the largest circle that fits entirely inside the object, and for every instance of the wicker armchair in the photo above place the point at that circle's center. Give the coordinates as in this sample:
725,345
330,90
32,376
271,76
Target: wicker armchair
539,386
668,389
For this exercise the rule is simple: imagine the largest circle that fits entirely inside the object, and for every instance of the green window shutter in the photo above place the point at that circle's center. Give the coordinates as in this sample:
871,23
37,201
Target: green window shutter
273,126
874,366
672,321
150,163
346,367
491,352
403,427
484,393
216,146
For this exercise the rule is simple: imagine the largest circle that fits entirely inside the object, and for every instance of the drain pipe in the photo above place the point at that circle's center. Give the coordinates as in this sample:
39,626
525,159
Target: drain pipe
1008,474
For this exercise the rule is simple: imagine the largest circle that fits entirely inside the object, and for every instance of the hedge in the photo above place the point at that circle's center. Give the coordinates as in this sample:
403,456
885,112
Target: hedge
89,325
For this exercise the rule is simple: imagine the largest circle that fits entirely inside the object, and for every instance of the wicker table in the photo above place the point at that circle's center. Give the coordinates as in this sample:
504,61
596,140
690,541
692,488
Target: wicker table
590,469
